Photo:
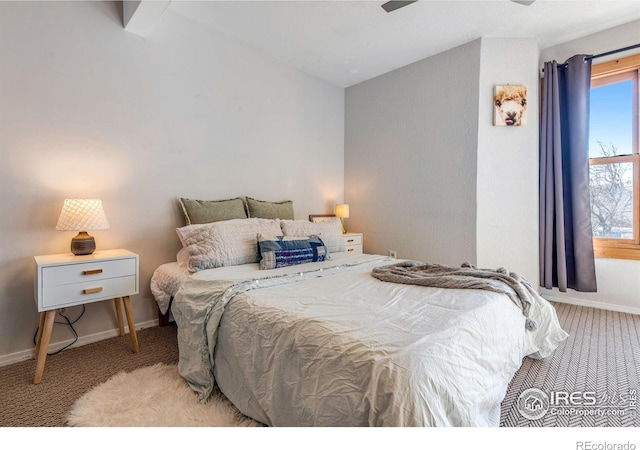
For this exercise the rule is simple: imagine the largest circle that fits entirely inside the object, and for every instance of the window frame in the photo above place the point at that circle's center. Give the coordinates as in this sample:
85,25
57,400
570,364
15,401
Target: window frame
607,73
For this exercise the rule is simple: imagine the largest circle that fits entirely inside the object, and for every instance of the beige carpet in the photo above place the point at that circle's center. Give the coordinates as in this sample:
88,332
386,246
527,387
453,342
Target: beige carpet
71,373
600,357
602,354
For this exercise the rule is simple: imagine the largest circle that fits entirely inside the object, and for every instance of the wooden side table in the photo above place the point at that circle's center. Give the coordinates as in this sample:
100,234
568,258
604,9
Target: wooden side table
66,280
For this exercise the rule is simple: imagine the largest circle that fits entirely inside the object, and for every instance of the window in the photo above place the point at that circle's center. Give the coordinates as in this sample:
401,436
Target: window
614,159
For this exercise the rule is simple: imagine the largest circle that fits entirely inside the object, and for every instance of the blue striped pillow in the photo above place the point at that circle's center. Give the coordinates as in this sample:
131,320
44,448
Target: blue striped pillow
281,251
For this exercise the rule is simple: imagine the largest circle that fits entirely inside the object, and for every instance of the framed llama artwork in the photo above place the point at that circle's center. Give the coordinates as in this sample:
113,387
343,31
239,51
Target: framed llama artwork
509,105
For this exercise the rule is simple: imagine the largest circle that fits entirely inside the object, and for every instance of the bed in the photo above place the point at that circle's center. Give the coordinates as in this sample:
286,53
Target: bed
165,282
324,343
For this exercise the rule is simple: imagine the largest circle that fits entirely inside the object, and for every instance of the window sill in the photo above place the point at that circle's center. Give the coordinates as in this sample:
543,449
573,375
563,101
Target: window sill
617,251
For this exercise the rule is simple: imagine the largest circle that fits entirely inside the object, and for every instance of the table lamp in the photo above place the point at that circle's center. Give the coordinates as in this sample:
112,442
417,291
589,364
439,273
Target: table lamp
342,211
82,215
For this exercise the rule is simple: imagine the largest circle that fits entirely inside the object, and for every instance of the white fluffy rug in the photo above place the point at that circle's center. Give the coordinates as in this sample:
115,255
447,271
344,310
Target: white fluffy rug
154,396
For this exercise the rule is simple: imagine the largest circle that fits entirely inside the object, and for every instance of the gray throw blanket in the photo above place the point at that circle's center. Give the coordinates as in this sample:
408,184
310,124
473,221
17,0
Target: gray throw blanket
464,277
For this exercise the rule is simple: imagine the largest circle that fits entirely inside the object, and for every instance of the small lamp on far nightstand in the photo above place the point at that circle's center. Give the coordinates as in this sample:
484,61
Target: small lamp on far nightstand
342,211
81,215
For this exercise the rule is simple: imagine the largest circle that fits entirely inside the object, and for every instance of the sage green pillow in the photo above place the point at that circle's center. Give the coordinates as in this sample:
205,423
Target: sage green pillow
207,211
270,210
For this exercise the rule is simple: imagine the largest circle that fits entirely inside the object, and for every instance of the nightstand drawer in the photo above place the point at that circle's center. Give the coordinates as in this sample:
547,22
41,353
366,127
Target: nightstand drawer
87,292
353,240
87,272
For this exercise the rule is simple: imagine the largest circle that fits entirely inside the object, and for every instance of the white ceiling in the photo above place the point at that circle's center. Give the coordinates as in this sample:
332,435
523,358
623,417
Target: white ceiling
345,42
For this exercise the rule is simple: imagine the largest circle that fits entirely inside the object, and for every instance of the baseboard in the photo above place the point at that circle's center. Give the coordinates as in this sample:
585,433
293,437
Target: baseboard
591,304
11,358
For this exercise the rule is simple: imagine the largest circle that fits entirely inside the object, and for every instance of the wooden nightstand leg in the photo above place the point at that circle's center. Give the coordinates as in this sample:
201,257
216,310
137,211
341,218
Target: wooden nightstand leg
43,314
119,314
132,325
43,344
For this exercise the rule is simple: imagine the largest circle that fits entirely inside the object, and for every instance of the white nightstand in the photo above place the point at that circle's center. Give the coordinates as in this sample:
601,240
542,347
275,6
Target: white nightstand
353,242
68,280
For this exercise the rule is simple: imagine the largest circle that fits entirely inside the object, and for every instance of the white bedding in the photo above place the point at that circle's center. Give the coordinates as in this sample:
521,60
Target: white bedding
166,281
300,346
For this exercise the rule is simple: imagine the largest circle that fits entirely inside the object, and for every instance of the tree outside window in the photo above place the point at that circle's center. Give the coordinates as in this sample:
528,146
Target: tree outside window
614,172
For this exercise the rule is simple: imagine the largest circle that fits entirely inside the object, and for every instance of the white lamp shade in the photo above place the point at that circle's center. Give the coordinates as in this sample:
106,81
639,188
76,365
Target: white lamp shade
80,214
342,211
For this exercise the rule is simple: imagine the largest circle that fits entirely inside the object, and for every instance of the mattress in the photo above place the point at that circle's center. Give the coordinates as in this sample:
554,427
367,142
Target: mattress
326,344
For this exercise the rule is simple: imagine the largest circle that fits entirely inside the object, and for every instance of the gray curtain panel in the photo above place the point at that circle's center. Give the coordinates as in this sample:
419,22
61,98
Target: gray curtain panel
566,237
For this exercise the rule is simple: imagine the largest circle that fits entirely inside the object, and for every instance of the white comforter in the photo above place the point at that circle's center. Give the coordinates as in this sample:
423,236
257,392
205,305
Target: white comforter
166,282
337,347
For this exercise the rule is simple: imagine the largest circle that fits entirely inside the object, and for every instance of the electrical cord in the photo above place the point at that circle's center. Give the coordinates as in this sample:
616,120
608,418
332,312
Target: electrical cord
67,322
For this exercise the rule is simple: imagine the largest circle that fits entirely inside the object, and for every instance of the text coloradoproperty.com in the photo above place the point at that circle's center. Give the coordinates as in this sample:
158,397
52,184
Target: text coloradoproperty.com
586,412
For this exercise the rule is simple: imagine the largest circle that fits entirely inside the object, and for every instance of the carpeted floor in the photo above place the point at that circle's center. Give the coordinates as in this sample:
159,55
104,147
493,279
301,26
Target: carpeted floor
71,373
601,355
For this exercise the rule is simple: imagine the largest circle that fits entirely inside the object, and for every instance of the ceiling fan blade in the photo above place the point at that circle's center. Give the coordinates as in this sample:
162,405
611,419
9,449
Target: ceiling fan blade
523,2
395,4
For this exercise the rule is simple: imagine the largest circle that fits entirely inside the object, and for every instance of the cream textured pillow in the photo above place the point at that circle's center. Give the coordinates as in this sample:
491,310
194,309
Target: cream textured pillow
184,231
182,257
227,243
330,232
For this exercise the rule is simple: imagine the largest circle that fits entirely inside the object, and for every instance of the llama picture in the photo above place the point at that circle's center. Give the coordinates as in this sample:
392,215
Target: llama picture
509,105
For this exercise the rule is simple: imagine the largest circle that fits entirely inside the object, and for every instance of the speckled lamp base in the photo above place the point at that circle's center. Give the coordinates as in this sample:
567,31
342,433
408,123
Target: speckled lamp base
83,244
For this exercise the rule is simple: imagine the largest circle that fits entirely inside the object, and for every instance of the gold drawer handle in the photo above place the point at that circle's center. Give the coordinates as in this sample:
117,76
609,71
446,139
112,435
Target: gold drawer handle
350,249
91,272
92,290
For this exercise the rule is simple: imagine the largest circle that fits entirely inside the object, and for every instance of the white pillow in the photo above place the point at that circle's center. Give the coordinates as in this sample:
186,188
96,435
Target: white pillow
183,257
227,243
183,231
330,232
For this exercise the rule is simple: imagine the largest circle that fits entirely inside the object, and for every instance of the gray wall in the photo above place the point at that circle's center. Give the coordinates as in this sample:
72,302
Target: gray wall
411,140
88,109
426,172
